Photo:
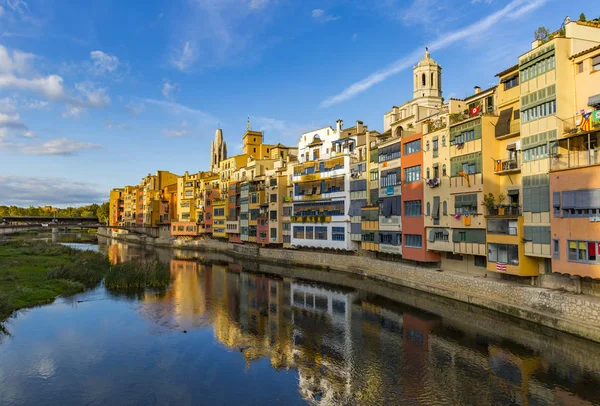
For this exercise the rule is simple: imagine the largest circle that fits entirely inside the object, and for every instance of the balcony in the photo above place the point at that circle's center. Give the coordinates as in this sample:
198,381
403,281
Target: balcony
577,124
506,166
578,151
505,211
310,219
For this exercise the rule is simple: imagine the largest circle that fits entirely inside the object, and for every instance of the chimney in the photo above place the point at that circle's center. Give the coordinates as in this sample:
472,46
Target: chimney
477,89
338,126
359,127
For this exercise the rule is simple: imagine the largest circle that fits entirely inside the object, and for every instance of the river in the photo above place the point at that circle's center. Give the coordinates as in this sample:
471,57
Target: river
228,332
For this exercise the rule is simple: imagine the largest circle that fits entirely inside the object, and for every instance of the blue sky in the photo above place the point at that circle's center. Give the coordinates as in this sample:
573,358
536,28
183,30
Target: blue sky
94,95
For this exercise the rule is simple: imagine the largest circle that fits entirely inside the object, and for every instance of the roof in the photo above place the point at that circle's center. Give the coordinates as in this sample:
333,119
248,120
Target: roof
509,70
597,47
473,96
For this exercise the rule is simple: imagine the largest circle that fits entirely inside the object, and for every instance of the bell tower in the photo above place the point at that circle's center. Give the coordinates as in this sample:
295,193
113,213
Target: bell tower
427,78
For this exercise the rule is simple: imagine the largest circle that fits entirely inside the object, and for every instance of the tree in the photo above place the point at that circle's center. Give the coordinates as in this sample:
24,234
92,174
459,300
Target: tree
541,33
582,17
103,213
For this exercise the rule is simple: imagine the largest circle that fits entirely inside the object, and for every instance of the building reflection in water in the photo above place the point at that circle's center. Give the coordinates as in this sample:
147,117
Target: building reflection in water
351,346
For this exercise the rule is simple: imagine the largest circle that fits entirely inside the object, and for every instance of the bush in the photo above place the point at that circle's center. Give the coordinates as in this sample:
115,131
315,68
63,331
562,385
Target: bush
86,267
138,274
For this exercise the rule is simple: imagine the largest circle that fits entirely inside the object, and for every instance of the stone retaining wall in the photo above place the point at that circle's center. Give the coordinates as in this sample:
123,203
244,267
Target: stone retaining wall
576,314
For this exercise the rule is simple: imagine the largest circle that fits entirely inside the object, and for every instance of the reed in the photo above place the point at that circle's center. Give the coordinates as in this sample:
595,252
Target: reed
138,274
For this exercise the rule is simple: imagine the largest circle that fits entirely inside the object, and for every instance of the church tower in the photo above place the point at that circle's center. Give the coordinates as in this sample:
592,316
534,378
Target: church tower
427,79
218,151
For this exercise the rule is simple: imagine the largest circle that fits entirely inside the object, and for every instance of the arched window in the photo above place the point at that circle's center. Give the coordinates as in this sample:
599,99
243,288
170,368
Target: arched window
431,83
445,208
399,132
416,81
443,140
423,80
444,170
428,207
427,145
427,175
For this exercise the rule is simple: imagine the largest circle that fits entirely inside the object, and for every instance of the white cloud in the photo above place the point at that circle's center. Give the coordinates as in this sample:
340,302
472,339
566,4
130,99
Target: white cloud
170,90
185,57
104,62
50,86
29,134
180,132
321,16
515,9
25,191
18,6
36,104
73,112
7,105
135,109
94,96
7,118
57,146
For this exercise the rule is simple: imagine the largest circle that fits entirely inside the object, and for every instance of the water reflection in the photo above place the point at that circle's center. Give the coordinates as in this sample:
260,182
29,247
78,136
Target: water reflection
258,338
351,346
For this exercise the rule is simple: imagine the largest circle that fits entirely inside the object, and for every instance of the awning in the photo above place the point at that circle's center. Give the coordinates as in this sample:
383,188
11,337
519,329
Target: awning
594,100
355,206
437,230
509,78
503,125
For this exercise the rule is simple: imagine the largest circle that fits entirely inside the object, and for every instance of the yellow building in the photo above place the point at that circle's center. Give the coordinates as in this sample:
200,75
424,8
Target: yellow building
116,207
150,188
130,194
370,228
219,216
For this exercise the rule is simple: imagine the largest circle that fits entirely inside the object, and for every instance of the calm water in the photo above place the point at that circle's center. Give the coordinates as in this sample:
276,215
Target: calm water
242,333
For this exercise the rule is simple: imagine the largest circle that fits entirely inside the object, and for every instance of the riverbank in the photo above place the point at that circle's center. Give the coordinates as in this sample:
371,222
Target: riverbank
565,311
24,277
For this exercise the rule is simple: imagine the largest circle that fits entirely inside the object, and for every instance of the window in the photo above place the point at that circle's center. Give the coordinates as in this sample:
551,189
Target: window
443,140
501,226
540,111
412,147
480,261
309,233
273,215
510,83
412,174
390,177
463,137
219,212
299,232
503,253
189,193
273,233
538,68
580,67
440,236
374,175
413,240
320,233
179,228
390,238
273,198
423,80
556,249
596,63
428,173
444,170
445,208
337,233
465,204
582,251
389,152
412,208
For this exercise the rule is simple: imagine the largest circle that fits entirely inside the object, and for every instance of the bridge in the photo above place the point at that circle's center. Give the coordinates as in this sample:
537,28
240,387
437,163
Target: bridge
17,224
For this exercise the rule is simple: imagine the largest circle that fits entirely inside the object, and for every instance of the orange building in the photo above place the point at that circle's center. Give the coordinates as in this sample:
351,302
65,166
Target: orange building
414,246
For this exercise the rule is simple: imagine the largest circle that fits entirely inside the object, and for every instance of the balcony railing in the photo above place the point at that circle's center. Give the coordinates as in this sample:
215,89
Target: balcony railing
505,211
507,165
310,219
578,124
575,159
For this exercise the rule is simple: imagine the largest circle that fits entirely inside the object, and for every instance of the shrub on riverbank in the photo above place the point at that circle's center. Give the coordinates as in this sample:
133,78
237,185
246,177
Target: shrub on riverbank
86,267
138,274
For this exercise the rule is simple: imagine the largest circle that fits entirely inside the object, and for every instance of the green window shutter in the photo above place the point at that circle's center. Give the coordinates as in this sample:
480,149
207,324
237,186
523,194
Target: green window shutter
544,198
477,132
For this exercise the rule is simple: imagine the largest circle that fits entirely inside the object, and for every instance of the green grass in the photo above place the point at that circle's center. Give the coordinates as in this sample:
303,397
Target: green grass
33,273
138,274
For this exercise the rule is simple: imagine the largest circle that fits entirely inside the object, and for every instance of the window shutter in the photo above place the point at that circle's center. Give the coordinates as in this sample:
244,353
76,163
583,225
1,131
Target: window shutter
595,199
445,208
582,199
544,198
528,234
556,200
568,199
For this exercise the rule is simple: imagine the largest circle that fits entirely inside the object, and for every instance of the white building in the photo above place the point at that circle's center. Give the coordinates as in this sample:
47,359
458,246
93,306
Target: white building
322,188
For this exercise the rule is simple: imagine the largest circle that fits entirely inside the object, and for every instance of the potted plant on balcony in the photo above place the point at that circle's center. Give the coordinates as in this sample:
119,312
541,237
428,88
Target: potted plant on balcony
501,198
490,203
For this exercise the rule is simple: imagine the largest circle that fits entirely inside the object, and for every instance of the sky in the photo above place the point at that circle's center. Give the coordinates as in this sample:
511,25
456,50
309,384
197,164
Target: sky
95,95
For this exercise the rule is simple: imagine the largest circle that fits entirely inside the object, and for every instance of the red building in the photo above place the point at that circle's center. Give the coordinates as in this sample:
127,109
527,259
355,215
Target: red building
233,213
414,242
208,209
262,229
